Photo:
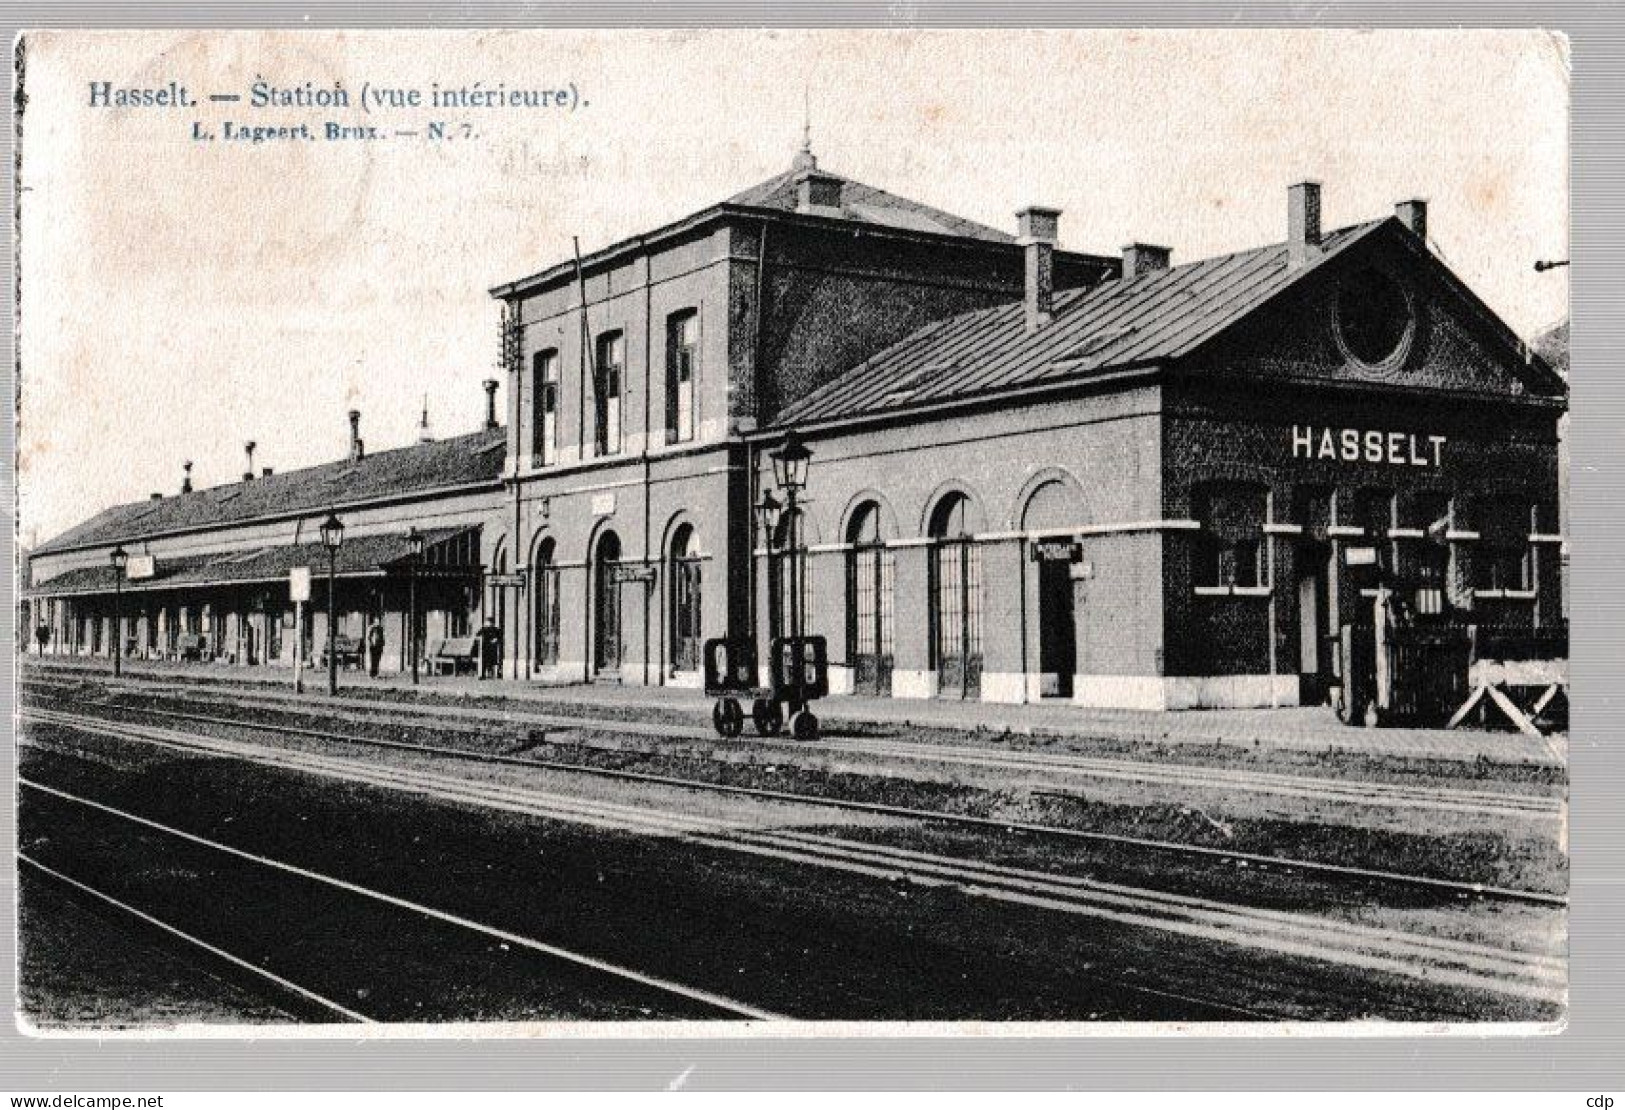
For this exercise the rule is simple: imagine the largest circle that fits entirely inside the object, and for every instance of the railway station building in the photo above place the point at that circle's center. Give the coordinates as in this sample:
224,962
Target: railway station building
1035,473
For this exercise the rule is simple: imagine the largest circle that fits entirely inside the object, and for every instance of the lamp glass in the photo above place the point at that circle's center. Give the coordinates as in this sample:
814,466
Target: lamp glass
121,557
768,513
332,532
790,463
414,542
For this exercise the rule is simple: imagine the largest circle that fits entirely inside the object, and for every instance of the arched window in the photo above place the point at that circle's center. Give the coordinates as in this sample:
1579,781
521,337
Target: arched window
684,604
545,574
497,604
956,600
869,575
787,573
606,651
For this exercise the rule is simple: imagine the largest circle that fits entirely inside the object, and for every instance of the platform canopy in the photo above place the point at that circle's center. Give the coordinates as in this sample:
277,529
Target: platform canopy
447,552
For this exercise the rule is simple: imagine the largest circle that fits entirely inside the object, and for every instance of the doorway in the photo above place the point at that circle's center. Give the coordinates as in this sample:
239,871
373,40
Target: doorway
607,607
1057,629
1315,635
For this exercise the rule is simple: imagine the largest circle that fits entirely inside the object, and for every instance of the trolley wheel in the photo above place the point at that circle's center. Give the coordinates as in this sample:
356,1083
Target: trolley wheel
727,718
803,725
767,715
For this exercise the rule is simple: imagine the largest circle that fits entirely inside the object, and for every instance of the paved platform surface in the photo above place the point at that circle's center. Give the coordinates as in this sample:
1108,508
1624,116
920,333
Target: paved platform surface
1302,728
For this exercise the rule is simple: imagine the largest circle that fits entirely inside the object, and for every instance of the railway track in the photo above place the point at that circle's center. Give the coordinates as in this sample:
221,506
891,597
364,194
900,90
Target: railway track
1043,766
1334,872
642,981
1437,960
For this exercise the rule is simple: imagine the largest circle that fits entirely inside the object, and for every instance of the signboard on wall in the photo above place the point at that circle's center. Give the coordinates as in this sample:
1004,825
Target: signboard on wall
1056,551
634,573
140,566
299,584
1368,446
505,581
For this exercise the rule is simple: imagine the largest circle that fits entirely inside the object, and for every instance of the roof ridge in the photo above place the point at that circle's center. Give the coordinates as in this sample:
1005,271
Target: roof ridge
1144,314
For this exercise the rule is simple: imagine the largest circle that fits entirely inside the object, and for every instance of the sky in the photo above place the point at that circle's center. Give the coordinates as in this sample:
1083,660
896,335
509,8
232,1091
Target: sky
179,297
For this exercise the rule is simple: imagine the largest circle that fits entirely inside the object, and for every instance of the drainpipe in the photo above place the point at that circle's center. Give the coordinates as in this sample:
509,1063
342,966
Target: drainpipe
752,450
514,368
588,631
581,363
648,384
1270,539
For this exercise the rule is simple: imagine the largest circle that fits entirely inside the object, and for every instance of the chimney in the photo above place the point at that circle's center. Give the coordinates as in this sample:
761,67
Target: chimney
1302,222
1143,258
1414,215
818,193
248,448
490,403
266,472
1036,232
156,496
358,450
425,433
186,482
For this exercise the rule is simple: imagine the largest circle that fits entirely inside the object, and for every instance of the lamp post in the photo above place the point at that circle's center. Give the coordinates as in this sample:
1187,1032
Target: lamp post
332,539
414,549
790,472
767,515
121,560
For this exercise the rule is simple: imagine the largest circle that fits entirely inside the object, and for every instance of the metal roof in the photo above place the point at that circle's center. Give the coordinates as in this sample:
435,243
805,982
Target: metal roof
460,461
865,204
1116,324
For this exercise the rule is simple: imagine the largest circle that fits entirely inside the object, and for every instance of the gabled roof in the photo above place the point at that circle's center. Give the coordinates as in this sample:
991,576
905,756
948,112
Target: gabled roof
1119,323
460,461
865,204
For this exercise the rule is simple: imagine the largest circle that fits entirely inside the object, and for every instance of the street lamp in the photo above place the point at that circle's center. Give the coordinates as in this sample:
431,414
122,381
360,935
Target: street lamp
332,539
121,560
790,466
414,550
767,514
790,463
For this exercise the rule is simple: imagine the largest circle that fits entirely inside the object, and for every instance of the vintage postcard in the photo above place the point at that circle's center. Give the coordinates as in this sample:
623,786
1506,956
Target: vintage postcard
779,532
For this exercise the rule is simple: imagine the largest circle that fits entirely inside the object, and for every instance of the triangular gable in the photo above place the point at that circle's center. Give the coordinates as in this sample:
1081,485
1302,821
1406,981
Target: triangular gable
1309,327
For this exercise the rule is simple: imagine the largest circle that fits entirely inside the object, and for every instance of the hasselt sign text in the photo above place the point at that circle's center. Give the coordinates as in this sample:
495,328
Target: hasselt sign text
1358,445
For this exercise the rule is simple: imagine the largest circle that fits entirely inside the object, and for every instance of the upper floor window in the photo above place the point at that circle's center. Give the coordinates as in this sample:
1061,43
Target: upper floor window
1230,545
682,352
607,376
545,418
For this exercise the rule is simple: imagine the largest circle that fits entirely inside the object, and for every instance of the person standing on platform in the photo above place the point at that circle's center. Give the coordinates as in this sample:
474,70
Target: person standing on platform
375,647
490,651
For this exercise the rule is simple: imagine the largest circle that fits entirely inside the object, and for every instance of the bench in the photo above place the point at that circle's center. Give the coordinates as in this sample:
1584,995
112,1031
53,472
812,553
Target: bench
347,649
191,645
454,656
